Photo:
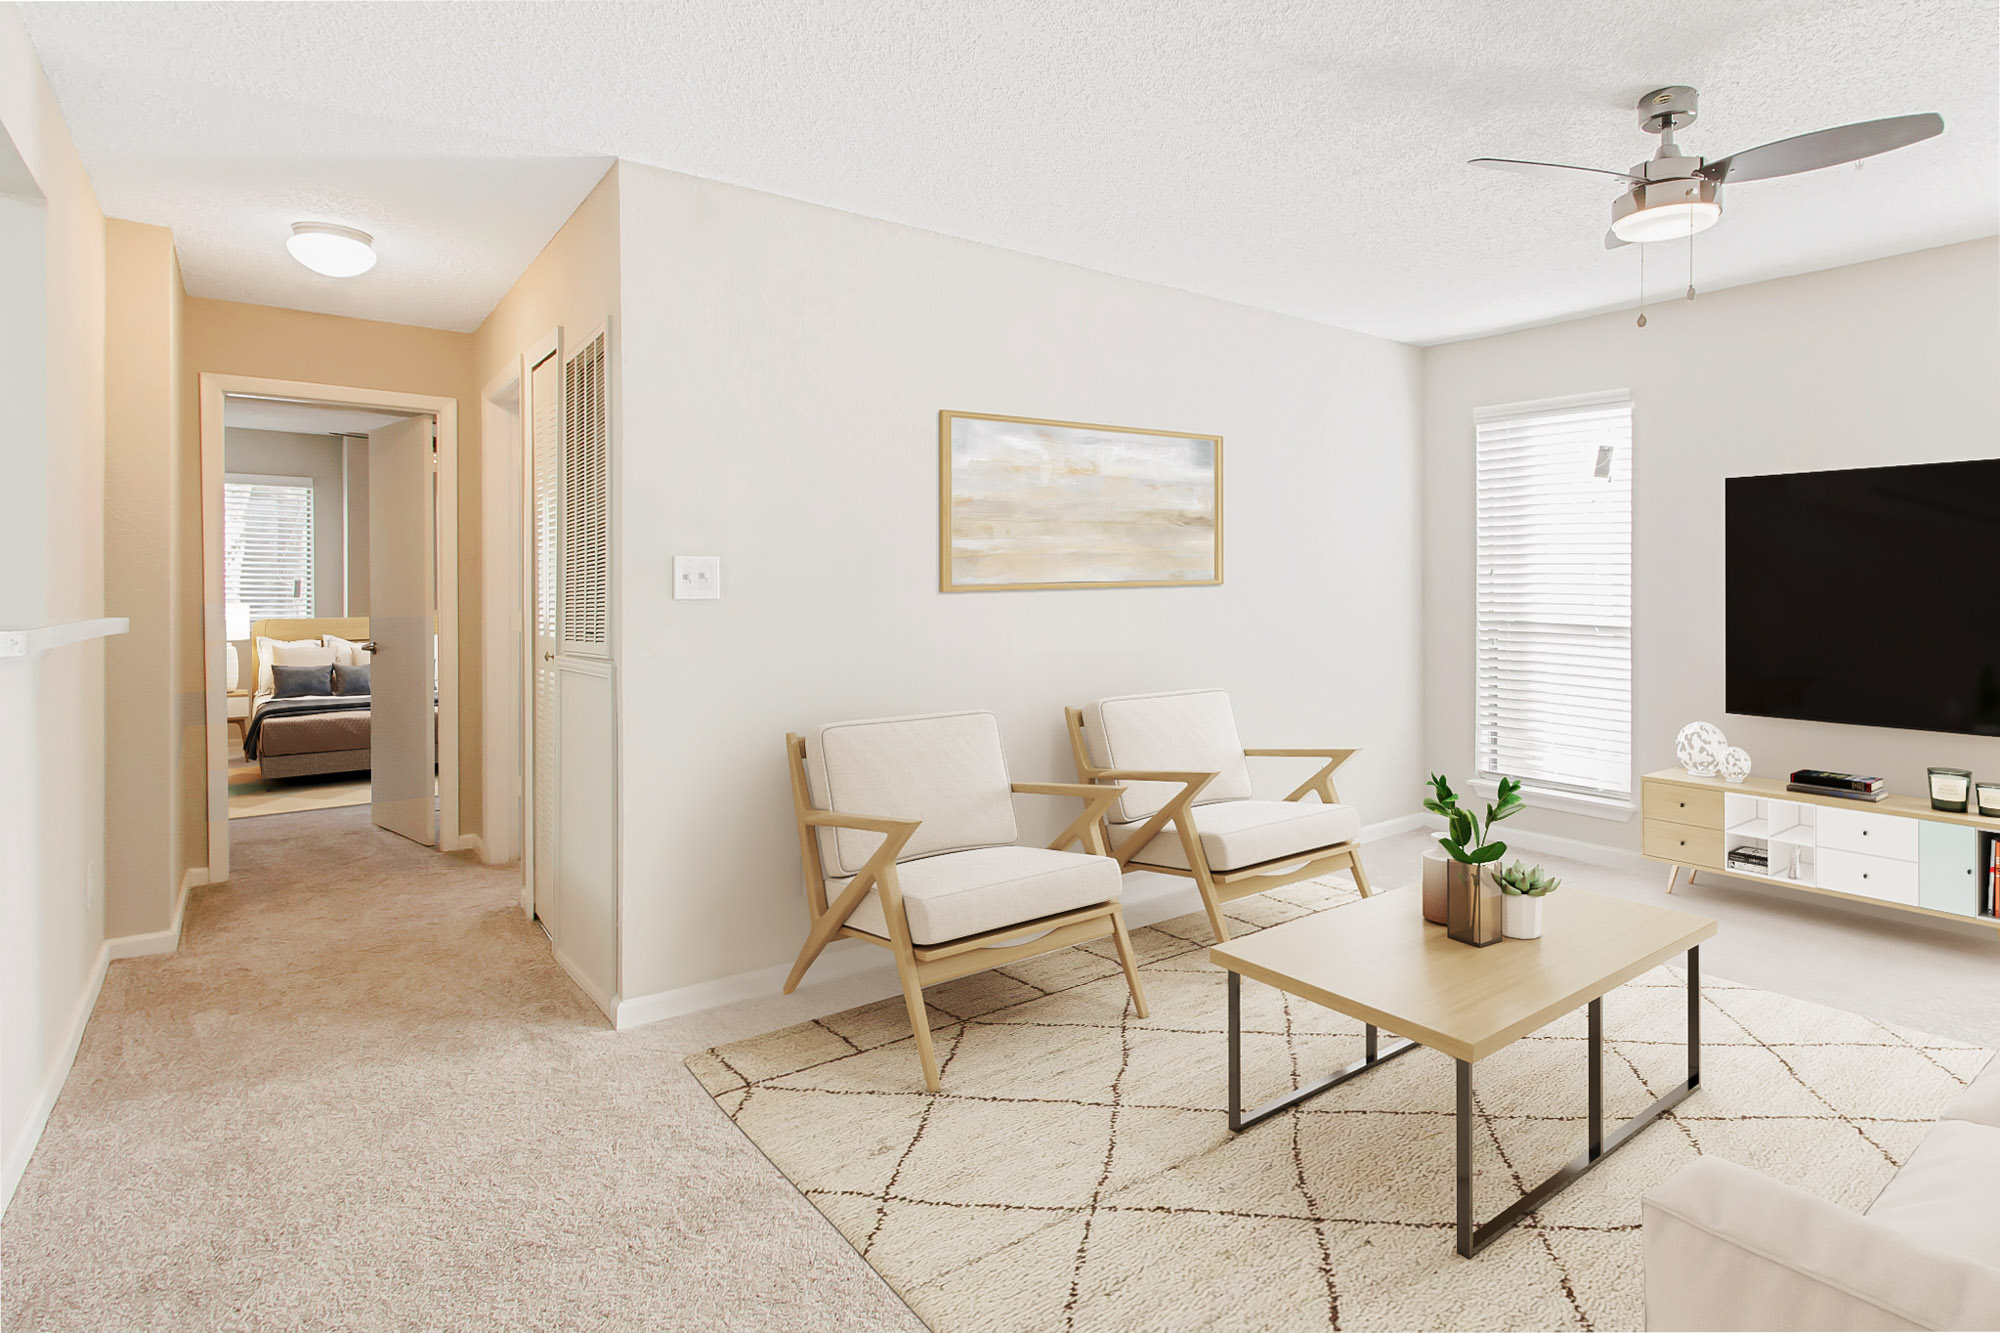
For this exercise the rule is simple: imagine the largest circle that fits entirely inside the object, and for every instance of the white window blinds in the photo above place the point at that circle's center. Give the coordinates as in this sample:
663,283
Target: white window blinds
1554,616
267,544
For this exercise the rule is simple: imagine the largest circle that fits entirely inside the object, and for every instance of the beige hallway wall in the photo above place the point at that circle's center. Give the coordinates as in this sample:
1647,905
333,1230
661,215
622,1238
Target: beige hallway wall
146,684
51,706
1892,361
226,337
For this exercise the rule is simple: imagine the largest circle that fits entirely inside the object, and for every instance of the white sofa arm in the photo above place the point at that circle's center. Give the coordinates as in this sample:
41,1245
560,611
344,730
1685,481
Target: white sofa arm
1727,1248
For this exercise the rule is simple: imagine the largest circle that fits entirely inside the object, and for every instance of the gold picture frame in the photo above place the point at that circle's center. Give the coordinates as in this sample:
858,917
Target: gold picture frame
1075,487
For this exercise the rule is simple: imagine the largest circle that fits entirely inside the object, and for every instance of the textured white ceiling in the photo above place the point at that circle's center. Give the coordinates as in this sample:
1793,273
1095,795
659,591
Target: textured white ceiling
1298,155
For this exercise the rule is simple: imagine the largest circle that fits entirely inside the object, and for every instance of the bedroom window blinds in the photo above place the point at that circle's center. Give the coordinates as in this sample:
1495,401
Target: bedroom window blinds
1554,595
267,544
586,503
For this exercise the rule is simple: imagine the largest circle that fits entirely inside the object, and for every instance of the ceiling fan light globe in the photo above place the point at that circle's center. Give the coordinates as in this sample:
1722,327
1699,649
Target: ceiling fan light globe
1667,222
331,250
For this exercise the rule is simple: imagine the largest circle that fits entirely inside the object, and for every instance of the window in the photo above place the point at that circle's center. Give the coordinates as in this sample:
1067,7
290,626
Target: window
267,544
1554,613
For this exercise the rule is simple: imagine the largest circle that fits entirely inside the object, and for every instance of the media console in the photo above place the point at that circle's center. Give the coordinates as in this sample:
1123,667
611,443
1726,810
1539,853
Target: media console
1898,852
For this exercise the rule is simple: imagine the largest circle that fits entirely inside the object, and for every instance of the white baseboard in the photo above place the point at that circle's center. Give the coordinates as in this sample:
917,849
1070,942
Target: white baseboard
160,941
23,1146
1147,897
604,1002
464,842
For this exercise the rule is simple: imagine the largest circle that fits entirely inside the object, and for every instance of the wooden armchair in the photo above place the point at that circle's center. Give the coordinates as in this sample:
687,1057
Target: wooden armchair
1181,762
908,841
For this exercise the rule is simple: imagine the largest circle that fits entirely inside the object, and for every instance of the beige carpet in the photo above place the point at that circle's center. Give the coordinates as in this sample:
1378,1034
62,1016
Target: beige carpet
252,796
1077,1171
363,1096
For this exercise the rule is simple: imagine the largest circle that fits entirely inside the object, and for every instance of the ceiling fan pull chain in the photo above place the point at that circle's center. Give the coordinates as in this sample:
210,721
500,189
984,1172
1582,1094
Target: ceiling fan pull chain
1690,295
1642,286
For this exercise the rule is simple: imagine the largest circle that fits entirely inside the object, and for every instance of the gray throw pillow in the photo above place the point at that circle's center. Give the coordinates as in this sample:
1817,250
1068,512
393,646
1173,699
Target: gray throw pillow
298,682
350,680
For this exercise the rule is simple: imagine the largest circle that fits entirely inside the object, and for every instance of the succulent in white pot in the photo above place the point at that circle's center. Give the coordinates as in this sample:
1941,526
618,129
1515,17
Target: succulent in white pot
1522,889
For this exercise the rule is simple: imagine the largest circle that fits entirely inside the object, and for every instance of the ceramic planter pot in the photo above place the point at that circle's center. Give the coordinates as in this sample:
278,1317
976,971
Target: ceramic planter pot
1520,916
1436,864
1472,905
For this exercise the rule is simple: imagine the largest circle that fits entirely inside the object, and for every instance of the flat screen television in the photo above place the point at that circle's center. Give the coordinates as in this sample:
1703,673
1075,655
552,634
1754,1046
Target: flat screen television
1868,596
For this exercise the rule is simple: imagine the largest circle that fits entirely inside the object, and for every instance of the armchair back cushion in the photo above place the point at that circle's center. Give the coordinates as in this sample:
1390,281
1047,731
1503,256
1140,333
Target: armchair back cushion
1185,731
946,769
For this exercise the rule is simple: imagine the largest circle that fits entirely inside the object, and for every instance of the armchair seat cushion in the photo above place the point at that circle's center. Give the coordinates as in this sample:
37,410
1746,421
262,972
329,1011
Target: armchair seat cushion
957,894
1944,1197
1235,834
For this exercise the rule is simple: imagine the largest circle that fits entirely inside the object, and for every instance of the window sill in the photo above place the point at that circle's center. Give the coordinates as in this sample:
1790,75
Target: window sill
1616,808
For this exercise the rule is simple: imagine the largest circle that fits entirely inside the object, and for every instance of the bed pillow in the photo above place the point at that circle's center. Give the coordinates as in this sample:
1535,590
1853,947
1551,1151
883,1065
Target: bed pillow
350,679
298,682
283,652
346,652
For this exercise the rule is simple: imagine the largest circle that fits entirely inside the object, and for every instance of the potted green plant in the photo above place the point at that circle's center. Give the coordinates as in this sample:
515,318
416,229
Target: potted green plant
1522,889
1472,896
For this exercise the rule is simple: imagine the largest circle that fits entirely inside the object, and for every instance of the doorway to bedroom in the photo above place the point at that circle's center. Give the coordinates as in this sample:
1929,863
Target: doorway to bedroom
332,652
295,551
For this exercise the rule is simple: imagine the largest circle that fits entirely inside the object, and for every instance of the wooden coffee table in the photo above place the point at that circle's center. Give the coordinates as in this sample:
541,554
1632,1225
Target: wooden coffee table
1378,960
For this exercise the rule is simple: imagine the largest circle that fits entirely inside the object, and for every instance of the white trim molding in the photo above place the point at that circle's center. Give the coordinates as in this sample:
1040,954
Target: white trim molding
29,642
160,941
1614,808
22,1149
214,389
1147,898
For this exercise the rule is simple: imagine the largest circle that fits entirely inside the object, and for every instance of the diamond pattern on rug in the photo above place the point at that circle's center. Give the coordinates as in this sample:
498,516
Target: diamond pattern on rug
1077,1171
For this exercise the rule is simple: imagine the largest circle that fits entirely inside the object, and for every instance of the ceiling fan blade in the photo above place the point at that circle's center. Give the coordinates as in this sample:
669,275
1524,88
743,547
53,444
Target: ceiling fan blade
1547,168
1822,148
1612,241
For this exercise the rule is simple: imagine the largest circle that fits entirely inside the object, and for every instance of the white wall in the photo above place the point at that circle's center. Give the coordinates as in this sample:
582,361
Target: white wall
1893,361
783,369
51,707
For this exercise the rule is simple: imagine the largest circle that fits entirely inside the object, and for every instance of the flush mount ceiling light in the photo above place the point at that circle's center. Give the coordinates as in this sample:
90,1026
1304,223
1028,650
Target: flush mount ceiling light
332,250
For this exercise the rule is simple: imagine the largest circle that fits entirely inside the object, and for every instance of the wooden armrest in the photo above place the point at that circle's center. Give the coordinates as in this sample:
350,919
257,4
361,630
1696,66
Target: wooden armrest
1310,752
1153,775
866,823
1085,790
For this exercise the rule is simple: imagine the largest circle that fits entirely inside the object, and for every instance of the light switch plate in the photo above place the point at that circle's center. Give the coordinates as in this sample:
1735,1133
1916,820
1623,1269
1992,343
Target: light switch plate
697,577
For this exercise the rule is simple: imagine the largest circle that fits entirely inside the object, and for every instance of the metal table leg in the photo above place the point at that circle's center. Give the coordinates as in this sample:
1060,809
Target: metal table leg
1374,1054
1472,1239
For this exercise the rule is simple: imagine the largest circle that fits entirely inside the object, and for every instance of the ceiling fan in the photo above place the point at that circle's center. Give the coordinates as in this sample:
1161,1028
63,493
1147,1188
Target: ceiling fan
1675,195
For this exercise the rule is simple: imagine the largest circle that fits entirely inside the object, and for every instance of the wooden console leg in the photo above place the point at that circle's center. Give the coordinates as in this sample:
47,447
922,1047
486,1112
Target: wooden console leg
1673,878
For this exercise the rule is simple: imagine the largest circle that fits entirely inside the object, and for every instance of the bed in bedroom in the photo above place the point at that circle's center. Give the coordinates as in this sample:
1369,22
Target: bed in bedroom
314,733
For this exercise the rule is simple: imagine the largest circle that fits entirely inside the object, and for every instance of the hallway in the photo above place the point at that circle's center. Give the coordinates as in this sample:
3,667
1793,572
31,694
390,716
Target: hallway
363,1095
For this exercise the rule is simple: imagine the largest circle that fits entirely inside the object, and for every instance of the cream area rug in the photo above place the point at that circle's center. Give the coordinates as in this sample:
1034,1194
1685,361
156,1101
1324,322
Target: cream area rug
1077,1171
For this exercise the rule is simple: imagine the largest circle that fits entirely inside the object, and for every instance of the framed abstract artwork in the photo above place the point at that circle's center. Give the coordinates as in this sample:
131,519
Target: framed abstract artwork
1026,503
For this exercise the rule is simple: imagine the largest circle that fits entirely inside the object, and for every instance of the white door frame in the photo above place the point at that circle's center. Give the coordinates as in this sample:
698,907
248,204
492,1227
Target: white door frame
213,389
549,345
503,440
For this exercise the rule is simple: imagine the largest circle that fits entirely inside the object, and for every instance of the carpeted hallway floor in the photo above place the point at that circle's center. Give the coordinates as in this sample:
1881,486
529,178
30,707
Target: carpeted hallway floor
362,1095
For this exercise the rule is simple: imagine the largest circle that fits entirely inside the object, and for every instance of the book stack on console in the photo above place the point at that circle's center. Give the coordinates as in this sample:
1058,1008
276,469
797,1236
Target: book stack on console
1750,857
1847,786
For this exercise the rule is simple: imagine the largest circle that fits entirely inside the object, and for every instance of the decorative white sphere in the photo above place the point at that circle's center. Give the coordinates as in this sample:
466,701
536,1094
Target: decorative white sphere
1699,747
1735,764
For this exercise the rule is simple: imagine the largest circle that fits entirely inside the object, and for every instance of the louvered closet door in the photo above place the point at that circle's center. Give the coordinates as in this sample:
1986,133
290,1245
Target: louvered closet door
586,529
546,391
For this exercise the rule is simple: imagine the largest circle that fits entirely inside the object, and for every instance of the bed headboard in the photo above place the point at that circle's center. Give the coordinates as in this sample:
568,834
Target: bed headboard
354,628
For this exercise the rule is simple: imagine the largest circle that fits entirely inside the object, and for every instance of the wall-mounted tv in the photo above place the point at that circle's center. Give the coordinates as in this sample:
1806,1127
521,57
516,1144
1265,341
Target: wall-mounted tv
1867,596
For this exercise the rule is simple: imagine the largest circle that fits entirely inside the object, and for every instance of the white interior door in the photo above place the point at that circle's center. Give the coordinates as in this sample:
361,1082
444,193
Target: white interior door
545,391
402,591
